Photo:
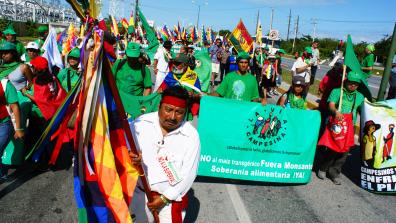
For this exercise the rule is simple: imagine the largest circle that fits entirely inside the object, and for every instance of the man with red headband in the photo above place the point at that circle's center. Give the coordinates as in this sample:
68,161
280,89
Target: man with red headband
170,149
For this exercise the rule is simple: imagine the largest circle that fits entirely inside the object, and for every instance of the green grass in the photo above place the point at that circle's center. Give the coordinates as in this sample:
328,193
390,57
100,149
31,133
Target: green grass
26,39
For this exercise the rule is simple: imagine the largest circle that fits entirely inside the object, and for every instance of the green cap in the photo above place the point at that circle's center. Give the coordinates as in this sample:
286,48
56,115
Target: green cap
133,50
354,76
131,29
9,31
181,58
281,51
370,47
308,49
75,52
243,56
5,45
42,29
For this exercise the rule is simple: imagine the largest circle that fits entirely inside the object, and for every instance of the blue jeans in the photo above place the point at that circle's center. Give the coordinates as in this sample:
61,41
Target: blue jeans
6,131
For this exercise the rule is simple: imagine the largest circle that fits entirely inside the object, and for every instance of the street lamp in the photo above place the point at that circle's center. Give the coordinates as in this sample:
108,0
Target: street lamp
199,9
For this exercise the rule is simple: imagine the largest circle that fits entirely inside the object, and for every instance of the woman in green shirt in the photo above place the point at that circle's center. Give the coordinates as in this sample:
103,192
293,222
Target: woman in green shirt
294,97
69,76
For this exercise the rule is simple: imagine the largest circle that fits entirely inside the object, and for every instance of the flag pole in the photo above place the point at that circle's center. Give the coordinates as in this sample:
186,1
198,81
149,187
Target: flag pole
342,87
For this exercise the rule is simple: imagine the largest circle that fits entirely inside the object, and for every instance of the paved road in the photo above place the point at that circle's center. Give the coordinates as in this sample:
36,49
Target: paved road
373,81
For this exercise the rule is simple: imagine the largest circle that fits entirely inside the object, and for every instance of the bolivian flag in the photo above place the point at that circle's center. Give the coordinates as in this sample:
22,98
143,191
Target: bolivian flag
240,38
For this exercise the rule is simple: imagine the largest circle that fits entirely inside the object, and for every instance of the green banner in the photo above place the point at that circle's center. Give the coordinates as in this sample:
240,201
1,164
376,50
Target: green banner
248,141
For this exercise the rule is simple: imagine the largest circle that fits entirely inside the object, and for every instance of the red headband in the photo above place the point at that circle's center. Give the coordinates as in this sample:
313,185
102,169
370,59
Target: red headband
174,101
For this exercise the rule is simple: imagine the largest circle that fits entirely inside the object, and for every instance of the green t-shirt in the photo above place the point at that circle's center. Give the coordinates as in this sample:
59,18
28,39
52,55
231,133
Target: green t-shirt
11,97
368,61
62,76
347,101
239,87
130,80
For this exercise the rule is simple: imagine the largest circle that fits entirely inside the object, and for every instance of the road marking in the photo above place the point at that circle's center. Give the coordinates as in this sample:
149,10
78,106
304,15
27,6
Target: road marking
239,207
376,87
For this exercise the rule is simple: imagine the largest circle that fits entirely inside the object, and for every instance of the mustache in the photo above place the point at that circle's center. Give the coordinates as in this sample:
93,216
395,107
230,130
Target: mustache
173,121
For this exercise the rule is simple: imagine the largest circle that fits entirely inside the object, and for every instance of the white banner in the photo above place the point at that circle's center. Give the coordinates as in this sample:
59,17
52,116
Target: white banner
377,143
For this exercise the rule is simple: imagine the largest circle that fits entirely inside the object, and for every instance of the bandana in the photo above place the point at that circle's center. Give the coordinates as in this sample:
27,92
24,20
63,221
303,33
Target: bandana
174,101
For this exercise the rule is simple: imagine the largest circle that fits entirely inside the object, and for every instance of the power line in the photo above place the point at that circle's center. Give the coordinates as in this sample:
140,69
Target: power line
353,21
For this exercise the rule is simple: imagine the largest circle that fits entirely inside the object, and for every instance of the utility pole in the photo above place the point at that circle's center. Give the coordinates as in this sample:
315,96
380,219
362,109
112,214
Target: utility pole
135,19
295,33
314,29
387,70
257,24
288,26
272,18
258,16
199,11
298,19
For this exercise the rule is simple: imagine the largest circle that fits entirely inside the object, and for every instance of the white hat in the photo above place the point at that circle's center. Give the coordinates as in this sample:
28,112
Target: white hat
32,45
271,56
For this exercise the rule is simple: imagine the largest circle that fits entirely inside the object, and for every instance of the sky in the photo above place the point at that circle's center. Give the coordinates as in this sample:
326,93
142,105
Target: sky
365,20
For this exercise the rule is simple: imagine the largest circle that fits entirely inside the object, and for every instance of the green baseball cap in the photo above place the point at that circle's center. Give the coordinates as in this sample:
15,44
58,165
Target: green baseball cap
243,56
133,50
354,77
181,58
308,49
9,31
42,29
5,46
281,51
75,52
370,47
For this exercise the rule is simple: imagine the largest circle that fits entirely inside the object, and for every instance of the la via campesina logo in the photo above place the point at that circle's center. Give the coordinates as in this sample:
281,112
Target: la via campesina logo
266,128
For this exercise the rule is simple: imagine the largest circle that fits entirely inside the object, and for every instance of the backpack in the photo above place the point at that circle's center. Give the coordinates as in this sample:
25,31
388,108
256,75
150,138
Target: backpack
122,62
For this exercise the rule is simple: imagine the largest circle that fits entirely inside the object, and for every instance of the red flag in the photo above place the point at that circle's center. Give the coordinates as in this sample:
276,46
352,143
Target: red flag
47,101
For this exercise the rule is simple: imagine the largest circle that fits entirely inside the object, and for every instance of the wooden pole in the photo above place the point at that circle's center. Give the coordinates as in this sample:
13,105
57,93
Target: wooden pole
342,87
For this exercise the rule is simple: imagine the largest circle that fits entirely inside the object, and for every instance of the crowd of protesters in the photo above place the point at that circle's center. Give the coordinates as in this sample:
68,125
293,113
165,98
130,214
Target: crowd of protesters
31,91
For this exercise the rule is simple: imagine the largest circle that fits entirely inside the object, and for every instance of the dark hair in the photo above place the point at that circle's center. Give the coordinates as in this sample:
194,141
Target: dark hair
14,53
178,92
